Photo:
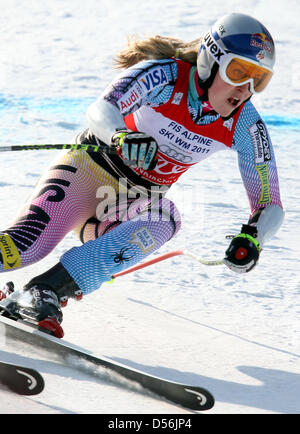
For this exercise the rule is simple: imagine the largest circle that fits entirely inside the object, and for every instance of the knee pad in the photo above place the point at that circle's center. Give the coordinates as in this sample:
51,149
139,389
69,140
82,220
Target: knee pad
163,210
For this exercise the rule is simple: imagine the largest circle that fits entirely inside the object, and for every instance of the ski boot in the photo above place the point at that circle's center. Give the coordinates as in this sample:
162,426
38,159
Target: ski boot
40,301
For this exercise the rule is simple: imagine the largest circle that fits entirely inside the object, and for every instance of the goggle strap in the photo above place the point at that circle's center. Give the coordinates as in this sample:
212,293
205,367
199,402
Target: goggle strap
213,47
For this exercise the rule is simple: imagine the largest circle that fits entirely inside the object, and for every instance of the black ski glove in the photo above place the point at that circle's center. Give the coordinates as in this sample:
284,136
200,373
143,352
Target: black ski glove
243,251
136,149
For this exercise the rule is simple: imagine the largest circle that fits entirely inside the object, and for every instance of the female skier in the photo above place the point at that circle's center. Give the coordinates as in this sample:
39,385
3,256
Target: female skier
174,105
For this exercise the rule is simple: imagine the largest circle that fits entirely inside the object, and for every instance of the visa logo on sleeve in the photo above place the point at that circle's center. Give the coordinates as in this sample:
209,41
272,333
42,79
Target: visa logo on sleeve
153,79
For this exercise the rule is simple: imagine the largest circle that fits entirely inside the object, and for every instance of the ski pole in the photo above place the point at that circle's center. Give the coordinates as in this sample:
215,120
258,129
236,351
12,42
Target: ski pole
74,147
168,255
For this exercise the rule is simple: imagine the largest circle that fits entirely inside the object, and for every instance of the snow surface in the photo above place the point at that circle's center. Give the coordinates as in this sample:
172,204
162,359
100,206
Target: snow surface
238,336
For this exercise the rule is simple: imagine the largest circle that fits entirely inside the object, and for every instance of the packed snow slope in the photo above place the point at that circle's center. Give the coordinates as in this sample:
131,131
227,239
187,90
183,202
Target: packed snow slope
238,336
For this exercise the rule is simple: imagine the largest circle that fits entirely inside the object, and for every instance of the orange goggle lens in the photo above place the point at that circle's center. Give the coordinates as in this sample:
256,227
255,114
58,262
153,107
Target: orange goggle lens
239,71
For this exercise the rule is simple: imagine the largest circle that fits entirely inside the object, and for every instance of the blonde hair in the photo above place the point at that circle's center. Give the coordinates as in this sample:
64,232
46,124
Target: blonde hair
157,47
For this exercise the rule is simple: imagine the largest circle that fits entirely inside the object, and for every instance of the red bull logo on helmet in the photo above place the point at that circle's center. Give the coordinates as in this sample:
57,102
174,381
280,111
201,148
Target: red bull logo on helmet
261,41
262,36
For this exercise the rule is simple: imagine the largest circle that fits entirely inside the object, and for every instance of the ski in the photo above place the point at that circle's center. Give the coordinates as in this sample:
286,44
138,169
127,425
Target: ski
188,396
20,379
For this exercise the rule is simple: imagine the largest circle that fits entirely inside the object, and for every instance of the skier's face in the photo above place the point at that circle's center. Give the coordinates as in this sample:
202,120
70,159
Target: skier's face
225,98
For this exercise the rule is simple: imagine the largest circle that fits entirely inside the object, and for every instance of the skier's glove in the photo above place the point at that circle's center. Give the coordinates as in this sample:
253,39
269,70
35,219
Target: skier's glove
243,251
136,149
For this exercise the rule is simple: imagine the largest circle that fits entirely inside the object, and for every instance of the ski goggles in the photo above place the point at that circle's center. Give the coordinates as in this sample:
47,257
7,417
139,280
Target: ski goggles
237,70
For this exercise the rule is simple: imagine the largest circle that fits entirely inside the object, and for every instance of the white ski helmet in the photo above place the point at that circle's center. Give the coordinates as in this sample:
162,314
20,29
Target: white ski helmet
237,34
